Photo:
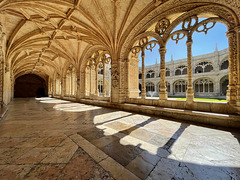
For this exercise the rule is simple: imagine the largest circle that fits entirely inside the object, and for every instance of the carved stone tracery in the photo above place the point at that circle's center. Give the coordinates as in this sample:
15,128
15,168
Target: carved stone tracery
115,78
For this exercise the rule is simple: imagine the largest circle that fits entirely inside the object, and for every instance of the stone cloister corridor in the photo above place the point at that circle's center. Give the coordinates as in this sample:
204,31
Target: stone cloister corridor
47,138
107,96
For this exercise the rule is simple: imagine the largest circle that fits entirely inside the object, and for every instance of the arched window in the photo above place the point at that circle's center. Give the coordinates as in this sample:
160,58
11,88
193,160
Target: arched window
100,87
224,65
140,76
180,86
181,70
203,86
74,82
58,85
150,74
98,75
168,86
224,85
199,69
71,80
167,72
204,67
68,82
100,70
150,87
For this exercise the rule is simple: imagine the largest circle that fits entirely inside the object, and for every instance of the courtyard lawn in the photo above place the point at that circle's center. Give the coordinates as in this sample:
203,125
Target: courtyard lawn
202,99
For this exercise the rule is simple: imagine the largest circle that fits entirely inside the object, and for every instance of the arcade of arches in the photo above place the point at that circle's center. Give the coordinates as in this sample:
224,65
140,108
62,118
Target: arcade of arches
85,54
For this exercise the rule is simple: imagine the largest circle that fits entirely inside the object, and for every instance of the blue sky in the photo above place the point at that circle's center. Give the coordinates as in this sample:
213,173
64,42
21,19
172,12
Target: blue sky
202,44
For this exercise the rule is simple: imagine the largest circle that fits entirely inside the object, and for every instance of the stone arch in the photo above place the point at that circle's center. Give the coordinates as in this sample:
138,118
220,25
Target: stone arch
221,14
150,74
181,70
224,81
168,72
203,66
180,87
224,64
30,85
204,86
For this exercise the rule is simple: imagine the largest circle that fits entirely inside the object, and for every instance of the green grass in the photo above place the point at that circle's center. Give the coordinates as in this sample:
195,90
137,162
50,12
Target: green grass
202,99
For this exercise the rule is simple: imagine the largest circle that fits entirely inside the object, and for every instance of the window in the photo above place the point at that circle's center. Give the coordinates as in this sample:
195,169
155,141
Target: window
150,87
203,86
204,67
167,72
150,74
224,65
180,86
181,70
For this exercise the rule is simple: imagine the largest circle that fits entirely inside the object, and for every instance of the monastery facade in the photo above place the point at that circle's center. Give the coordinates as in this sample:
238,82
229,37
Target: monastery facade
210,76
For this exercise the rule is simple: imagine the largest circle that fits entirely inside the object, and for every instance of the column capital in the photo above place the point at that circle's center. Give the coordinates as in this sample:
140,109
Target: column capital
189,42
231,32
162,50
237,28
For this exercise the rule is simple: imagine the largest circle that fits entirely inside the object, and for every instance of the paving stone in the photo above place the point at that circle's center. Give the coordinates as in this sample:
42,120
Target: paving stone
101,142
89,168
12,172
122,153
62,153
43,144
45,172
33,156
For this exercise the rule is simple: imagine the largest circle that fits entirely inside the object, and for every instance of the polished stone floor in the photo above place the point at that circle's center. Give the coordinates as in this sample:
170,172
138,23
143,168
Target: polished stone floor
47,138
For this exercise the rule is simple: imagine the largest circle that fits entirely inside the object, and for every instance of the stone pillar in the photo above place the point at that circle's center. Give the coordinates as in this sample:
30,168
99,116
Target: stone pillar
1,79
162,91
232,58
78,86
53,83
91,79
143,93
115,80
63,88
189,93
96,81
133,73
82,86
238,68
104,69
50,90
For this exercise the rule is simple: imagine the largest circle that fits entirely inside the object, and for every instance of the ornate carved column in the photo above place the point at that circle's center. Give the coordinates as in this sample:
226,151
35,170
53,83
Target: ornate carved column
162,91
115,81
63,88
232,58
104,93
143,94
238,66
189,93
1,78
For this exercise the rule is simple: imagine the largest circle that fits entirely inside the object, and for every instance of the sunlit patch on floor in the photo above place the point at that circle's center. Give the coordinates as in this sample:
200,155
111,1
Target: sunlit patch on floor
75,107
51,100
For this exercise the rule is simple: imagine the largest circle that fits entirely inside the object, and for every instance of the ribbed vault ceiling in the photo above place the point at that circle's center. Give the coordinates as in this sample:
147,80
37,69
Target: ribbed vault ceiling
43,35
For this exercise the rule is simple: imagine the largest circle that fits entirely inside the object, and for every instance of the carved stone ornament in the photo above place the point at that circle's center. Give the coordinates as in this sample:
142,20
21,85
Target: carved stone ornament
6,67
161,26
115,78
